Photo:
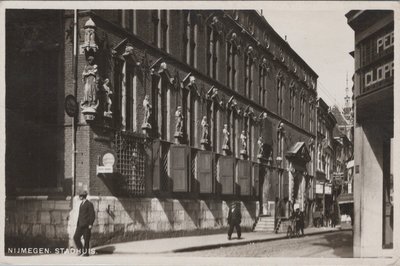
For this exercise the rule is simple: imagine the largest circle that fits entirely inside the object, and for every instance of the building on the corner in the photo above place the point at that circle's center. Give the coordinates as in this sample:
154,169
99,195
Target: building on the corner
374,205
163,116
343,165
324,205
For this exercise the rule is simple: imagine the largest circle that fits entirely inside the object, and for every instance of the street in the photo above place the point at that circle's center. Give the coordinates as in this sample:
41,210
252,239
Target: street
331,245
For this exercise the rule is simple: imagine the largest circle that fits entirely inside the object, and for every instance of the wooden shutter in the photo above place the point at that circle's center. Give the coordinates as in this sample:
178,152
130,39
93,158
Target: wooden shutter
204,170
179,171
156,165
256,173
226,175
286,185
244,177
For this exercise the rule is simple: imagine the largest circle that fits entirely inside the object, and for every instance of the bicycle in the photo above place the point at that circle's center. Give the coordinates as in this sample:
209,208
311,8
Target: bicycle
293,230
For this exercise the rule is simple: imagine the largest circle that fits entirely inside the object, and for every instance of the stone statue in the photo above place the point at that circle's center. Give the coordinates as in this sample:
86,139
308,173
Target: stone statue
260,143
179,122
90,78
226,133
243,138
205,133
108,104
147,111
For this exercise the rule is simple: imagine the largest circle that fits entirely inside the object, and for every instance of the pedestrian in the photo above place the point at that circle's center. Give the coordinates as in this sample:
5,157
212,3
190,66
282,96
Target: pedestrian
85,223
301,222
234,219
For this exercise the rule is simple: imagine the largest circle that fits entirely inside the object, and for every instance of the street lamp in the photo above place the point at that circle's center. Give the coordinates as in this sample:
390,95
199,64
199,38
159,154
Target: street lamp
278,161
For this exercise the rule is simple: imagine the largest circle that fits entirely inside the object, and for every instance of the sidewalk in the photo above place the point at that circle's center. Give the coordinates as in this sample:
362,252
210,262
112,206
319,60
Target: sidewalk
191,243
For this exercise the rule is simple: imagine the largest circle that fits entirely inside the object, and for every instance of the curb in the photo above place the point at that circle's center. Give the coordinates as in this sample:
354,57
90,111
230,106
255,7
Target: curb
230,244
219,245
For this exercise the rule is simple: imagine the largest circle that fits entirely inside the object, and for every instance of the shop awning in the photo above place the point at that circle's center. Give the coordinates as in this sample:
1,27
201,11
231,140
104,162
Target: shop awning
345,198
299,151
321,176
350,164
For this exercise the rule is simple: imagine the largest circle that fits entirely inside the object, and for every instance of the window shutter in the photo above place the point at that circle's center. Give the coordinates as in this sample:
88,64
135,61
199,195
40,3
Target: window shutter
156,165
286,185
179,171
226,174
256,173
204,170
244,177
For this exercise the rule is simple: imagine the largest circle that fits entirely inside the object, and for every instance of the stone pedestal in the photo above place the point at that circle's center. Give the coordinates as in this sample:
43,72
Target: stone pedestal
178,137
89,113
146,129
243,154
225,149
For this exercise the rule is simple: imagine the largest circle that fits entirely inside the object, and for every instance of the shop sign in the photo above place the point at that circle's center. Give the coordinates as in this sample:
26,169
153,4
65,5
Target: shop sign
107,161
378,74
328,190
319,188
385,42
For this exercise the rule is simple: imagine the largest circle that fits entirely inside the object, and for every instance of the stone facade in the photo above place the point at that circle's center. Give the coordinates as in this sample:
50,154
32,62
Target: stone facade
227,65
52,222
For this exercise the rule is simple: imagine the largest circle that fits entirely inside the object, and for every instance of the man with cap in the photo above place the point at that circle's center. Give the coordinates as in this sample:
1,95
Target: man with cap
85,222
234,219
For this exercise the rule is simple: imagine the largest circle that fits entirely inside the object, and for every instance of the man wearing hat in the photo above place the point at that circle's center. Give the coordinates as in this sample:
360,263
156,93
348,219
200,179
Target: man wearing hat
85,222
234,219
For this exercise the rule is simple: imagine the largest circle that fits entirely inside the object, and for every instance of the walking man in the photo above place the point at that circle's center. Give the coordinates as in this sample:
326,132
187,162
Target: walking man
85,223
234,219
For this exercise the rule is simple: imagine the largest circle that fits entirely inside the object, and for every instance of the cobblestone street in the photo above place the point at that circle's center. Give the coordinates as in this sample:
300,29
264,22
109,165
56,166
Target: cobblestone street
332,245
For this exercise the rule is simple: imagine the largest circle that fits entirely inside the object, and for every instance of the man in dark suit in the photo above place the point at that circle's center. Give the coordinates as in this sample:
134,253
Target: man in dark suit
85,222
234,219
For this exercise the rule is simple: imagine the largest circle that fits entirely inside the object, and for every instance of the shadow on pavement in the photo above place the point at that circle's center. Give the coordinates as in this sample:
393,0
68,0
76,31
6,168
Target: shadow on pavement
342,244
105,250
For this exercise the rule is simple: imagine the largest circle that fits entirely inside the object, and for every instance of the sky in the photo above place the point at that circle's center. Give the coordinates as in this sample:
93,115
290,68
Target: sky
323,39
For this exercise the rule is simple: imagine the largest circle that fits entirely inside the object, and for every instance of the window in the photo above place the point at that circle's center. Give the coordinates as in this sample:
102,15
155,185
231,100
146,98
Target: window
248,74
262,100
124,104
302,111
160,20
311,117
156,25
190,39
292,95
164,30
279,90
127,20
212,52
231,64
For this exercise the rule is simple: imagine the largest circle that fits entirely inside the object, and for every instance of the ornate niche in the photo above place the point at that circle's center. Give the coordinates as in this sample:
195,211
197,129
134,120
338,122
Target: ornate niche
90,75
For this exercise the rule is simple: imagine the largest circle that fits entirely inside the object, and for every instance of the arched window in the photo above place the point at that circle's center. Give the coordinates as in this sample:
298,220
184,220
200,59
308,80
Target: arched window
248,74
262,75
279,90
212,52
189,38
231,64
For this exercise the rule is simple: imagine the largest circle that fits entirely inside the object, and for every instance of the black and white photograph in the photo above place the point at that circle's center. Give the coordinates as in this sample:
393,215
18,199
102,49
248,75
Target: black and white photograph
199,133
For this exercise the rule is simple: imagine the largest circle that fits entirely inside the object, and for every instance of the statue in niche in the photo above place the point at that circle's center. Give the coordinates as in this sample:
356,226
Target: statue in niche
90,78
109,93
179,122
226,133
147,112
204,133
260,143
243,139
